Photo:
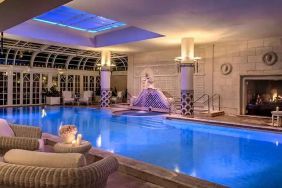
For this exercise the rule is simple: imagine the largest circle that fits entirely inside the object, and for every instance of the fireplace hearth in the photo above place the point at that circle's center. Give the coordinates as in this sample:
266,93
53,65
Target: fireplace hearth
262,96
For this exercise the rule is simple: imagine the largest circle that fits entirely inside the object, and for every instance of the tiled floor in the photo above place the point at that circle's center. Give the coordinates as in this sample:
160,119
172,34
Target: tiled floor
120,180
237,121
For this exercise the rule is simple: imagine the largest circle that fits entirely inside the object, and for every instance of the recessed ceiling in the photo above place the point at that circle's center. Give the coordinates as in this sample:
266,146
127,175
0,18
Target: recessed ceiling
79,20
206,21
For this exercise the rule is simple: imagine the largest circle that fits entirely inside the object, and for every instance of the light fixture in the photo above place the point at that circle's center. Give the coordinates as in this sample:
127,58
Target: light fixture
60,71
178,59
20,54
197,58
196,62
71,18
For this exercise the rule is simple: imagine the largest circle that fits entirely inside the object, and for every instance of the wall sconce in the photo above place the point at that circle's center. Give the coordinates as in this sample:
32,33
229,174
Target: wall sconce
196,63
178,60
100,66
60,71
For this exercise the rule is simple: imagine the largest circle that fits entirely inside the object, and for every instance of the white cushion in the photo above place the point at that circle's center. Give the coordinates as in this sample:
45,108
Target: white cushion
5,129
44,159
41,144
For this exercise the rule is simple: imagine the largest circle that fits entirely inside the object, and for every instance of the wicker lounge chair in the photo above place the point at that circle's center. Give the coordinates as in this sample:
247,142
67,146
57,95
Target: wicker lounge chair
94,175
26,137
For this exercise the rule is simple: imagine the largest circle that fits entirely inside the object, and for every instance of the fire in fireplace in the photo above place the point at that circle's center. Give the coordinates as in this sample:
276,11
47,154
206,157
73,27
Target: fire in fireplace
263,96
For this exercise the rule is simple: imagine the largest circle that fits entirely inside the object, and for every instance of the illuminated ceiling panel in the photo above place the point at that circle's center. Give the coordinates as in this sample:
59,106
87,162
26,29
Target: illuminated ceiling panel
79,20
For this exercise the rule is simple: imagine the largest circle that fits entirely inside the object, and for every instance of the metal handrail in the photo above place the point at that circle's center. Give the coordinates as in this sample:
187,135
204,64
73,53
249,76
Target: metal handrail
202,97
212,98
208,100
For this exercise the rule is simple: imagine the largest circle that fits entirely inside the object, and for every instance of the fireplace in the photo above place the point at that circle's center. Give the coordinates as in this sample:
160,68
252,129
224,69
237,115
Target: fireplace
261,95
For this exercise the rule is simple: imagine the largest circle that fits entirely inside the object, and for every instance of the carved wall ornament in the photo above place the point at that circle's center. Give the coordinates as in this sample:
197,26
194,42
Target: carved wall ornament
226,68
270,58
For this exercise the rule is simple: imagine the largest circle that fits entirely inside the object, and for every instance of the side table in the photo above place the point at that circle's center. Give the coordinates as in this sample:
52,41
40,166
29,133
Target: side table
83,148
278,115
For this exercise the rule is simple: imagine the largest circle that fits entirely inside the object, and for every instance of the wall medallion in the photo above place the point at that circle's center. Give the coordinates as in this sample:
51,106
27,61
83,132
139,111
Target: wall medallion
270,58
226,68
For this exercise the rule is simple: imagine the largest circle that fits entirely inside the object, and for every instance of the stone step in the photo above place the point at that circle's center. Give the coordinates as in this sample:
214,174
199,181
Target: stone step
121,105
213,113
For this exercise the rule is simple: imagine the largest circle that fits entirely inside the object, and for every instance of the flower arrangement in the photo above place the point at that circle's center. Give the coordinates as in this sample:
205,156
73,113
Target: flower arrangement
67,133
53,92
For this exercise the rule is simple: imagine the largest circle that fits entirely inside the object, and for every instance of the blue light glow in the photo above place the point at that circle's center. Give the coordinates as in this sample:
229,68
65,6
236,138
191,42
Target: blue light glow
79,20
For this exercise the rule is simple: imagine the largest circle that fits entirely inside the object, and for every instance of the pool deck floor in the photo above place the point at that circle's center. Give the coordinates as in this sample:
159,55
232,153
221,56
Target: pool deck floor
137,174
117,179
121,180
233,121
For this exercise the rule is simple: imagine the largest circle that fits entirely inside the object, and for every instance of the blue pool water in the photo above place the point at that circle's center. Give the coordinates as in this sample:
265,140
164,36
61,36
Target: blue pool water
229,156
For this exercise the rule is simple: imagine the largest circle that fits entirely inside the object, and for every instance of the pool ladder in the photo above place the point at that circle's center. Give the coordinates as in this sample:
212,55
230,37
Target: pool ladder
204,104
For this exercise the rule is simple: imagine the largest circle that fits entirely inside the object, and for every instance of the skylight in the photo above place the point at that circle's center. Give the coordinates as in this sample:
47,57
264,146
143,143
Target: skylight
79,20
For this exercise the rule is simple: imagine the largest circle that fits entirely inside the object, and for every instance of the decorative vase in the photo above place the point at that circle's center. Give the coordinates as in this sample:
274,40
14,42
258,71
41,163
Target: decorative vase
67,133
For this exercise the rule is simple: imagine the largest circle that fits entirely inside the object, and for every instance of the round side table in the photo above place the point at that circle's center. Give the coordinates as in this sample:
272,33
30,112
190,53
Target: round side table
83,148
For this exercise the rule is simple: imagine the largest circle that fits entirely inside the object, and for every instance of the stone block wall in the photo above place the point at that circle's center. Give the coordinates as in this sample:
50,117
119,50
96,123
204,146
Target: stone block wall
245,57
160,65
246,60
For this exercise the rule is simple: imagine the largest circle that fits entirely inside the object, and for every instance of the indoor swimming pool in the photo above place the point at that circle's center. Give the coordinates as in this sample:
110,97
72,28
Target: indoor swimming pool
232,157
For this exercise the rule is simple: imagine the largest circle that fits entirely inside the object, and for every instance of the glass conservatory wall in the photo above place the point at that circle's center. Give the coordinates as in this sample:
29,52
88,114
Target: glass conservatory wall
27,86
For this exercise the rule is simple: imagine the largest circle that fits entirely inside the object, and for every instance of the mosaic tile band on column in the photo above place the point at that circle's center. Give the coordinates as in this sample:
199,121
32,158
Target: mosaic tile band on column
105,98
187,106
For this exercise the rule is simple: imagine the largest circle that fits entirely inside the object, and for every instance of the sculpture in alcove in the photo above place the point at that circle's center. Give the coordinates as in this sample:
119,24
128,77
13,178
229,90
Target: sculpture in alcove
147,79
150,98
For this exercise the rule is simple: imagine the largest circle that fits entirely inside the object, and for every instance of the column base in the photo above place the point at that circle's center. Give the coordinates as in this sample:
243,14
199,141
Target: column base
187,105
106,95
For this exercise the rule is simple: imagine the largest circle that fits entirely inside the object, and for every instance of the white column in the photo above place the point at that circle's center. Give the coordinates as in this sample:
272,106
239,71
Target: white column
10,88
59,82
21,89
31,89
50,78
81,85
40,88
187,71
106,79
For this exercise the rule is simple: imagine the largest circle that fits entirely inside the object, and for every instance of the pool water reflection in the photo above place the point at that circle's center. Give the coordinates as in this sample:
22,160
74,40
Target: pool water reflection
229,156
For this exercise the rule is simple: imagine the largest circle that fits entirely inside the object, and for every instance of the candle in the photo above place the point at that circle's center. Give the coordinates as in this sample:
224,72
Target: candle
277,108
73,143
78,139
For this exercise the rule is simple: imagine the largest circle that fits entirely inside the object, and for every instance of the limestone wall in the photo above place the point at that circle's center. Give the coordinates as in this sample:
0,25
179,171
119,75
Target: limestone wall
244,56
160,65
246,60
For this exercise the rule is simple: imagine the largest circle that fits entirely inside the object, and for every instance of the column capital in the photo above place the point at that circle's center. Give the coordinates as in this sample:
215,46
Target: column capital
106,58
187,65
105,68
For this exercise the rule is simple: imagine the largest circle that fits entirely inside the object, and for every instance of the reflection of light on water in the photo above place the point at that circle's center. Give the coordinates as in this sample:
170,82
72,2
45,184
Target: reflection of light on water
99,141
43,113
176,169
142,112
276,143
